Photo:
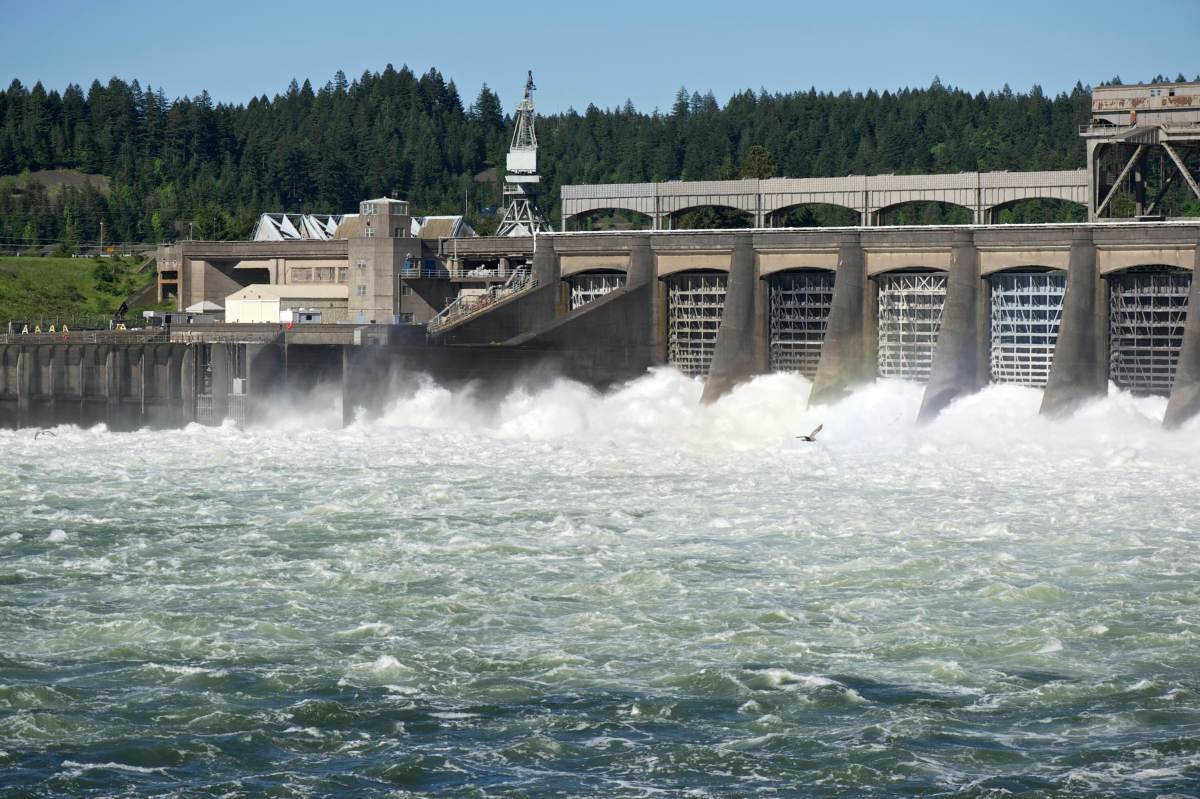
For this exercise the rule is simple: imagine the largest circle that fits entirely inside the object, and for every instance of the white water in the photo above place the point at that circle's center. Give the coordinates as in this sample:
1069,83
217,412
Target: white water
621,594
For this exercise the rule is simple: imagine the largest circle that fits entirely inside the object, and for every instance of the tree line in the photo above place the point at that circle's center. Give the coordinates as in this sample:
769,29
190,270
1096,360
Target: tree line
192,164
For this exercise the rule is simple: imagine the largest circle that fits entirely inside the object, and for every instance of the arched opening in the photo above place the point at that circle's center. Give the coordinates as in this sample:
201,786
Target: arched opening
909,305
709,217
1037,210
592,284
799,304
610,219
695,303
1147,311
1025,313
815,215
924,212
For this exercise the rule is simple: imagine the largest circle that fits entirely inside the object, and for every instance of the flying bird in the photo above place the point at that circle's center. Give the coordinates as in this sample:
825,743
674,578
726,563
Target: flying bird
813,435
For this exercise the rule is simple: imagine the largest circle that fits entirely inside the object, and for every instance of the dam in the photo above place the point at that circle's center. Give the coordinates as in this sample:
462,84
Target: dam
1067,308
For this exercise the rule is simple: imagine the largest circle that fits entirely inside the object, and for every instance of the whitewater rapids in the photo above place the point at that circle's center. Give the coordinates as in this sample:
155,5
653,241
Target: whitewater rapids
629,594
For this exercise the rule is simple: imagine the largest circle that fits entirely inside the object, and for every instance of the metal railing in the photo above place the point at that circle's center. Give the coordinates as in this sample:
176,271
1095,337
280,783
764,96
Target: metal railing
89,337
465,307
416,272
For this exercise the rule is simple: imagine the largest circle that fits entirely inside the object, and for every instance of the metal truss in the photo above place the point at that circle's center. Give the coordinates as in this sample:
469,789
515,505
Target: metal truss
1146,315
909,318
1026,313
695,303
589,288
799,314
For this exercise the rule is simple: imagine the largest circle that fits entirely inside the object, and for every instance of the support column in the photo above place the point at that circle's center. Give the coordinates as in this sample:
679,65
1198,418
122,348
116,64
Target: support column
363,378
111,382
187,384
221,381
844,363
265,377
1078,371
733,358
26,363
956,360
1185,391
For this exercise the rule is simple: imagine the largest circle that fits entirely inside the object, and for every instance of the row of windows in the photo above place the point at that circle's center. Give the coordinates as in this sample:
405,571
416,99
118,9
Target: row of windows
319,274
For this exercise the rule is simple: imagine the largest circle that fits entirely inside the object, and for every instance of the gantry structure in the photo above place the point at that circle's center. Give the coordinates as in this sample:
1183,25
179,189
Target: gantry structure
522,217
1133,123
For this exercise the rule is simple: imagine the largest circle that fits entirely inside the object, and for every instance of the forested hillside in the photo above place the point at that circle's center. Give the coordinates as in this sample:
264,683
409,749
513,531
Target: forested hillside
217,166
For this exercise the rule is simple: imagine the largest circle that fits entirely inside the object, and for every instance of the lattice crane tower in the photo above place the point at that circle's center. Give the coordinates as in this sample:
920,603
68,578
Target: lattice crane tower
522,217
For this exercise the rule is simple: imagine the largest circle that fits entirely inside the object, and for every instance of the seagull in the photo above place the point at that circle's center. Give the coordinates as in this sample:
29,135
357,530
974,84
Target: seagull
41,433
811,436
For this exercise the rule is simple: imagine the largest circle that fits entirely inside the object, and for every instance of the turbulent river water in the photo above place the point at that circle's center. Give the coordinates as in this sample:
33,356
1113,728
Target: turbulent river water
572,594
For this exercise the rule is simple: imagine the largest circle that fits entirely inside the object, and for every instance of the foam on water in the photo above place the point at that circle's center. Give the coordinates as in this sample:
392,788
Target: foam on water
566,592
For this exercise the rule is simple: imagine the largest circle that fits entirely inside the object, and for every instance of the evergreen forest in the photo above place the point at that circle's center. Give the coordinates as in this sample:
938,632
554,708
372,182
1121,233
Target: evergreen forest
192,166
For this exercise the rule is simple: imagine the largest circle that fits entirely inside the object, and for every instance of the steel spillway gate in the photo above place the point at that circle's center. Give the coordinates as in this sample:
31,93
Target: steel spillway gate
1146,314
1026,312
695,302
909,318
589,287
799,314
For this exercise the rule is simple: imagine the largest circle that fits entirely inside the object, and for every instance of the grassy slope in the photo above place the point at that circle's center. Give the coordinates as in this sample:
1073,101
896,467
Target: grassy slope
51,289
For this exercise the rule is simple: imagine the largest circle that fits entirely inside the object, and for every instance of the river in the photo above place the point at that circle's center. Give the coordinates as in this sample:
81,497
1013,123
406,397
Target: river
573,594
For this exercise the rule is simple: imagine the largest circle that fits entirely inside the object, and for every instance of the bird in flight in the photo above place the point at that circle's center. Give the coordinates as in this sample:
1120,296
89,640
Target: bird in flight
813,435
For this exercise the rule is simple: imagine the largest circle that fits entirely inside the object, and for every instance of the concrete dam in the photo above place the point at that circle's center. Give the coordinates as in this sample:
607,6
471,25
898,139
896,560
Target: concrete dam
1067,308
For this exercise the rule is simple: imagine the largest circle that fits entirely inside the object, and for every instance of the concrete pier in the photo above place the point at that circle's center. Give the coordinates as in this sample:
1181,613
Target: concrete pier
1079,370
845,354
735,359
1184,402
956,362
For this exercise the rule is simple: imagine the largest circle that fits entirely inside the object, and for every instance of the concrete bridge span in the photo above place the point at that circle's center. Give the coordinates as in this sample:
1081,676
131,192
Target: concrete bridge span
983,193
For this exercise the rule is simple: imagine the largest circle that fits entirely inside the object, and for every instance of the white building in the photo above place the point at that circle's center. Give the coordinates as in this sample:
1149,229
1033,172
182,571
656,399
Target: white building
264,303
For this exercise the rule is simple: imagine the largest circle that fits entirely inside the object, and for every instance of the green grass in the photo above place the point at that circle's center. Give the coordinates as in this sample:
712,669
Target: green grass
64,289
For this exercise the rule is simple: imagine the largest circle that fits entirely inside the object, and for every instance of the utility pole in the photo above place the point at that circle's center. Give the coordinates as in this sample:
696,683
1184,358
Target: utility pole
102,237
191,225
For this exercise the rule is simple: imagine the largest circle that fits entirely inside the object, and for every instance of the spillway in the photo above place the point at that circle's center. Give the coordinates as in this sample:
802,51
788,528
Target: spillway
588,287
909,317
695,302
1026,310
799,314
1147,311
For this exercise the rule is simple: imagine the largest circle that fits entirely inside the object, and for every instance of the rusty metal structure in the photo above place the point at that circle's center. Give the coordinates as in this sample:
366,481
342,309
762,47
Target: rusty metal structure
1131,124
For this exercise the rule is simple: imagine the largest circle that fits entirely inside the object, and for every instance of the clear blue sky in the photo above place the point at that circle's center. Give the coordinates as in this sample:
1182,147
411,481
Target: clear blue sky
600,52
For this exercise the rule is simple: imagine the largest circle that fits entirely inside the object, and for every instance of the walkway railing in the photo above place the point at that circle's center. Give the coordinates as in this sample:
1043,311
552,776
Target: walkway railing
467,306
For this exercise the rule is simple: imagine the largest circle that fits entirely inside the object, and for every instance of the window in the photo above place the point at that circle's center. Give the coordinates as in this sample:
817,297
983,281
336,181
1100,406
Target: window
369,209
370,234
343,273
405,290
404,318
362,291
361,264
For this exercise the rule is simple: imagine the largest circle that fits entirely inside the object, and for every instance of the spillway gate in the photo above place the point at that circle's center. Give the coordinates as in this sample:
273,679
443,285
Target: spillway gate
591,286
1146,314
799,315
1026,311
695,302
910,306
